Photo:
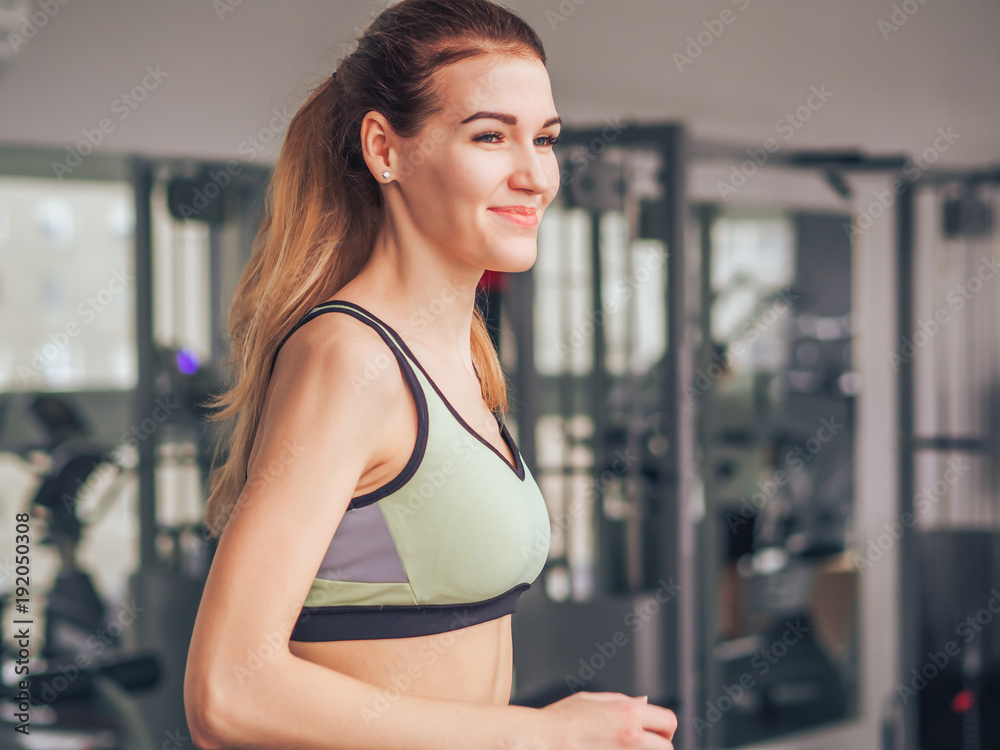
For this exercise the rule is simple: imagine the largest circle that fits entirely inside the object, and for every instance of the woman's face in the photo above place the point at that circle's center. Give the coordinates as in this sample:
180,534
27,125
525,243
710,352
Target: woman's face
477,179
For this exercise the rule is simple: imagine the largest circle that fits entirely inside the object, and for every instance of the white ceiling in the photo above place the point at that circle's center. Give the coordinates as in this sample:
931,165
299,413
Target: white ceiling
227,77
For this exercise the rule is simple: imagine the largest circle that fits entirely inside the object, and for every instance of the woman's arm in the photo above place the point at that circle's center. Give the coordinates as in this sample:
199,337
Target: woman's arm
294,703
243,688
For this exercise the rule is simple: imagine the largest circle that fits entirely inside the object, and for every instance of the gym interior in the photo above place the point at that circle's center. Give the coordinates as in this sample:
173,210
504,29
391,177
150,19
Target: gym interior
755,368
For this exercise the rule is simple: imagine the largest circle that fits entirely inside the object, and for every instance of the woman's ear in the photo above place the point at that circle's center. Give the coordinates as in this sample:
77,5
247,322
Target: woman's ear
377,144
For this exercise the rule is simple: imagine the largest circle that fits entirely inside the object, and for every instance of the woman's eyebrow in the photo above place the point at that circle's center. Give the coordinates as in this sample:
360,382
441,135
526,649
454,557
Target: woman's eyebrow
507,119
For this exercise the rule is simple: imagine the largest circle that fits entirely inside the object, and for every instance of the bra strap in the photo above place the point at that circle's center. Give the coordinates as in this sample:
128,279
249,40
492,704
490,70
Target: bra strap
354,311
388,336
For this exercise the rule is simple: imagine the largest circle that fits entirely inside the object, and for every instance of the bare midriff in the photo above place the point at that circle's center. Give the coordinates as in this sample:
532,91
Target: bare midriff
471,664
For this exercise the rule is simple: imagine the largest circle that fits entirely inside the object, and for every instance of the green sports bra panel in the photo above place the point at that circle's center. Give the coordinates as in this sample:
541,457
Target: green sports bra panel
451,541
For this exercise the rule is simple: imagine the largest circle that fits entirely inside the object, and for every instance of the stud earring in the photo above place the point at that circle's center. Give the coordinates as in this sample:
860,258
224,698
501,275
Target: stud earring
385,175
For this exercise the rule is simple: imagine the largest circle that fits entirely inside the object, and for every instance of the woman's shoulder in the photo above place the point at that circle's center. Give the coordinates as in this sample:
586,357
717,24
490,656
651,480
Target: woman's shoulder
342,346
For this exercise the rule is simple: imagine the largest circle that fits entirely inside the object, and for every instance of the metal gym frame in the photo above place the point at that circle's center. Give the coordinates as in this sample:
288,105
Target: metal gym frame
678,532
903,732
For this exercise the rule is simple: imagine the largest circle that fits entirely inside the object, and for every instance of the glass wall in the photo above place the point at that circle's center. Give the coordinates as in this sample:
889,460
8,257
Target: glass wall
67,307
775,392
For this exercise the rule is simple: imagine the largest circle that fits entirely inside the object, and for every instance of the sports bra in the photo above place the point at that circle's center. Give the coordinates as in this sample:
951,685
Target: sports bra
452,540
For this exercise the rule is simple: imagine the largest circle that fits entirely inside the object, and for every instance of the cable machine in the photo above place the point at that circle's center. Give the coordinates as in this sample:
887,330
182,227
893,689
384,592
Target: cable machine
948,360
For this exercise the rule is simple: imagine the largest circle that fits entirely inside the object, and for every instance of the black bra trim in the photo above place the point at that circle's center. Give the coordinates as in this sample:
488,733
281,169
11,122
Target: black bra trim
423,418
518,467
367,622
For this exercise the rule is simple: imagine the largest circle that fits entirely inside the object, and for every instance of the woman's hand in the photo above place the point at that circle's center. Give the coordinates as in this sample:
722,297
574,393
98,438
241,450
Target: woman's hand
601,721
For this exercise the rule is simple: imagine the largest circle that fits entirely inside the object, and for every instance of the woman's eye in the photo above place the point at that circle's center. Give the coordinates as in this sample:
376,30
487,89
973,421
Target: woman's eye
547,140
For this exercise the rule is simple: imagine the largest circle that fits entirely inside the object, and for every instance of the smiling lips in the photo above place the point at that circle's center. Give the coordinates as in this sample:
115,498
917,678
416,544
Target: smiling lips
524,216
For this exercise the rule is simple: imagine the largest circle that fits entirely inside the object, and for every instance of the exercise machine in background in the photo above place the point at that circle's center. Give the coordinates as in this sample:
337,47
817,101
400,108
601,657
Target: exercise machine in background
80,678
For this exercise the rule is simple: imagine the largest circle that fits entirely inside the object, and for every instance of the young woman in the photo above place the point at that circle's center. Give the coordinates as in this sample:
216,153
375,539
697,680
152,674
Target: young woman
376,521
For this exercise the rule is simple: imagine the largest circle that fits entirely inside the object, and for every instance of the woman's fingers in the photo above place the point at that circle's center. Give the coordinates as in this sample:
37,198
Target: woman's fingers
661,721
604,696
